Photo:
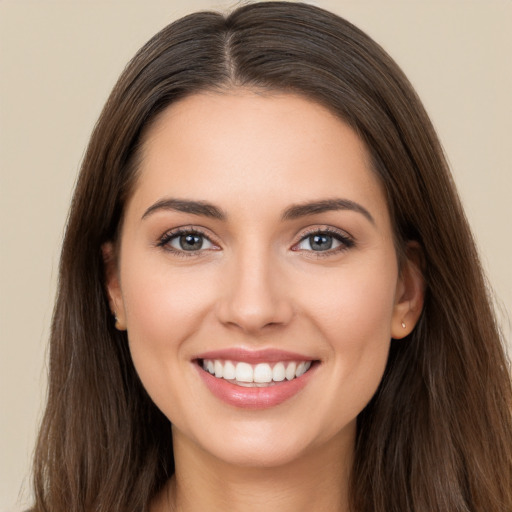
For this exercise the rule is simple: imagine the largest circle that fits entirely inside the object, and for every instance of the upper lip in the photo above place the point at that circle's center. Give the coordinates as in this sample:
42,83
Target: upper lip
268,355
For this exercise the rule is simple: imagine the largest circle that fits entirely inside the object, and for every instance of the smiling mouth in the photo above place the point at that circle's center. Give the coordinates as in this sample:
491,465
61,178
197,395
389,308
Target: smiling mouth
255,375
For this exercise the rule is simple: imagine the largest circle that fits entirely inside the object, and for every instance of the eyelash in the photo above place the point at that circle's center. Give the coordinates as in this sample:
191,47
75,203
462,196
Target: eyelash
346,242
165,240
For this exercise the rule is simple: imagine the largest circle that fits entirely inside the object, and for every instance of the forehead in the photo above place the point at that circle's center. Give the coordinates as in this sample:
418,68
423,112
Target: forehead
248,149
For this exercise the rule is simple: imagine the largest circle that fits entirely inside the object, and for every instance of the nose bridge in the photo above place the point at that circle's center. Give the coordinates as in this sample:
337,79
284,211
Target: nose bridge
255,296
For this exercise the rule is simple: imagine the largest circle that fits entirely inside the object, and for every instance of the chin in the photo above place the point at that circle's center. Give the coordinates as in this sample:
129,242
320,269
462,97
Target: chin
253,454
272,444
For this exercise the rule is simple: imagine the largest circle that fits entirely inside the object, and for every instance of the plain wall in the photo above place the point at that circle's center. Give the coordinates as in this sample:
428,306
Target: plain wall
59,61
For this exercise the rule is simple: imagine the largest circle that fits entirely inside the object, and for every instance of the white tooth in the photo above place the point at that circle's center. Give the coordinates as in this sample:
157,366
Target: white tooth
262,373
278,372
218,368
307,366
229,370
253,384
205,365
290,371
210,367
300,369
243,372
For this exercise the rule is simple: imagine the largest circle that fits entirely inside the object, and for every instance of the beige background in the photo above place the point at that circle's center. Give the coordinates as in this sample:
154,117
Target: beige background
58,62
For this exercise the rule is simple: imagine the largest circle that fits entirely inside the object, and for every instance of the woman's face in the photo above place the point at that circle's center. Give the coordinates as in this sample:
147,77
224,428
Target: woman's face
257,243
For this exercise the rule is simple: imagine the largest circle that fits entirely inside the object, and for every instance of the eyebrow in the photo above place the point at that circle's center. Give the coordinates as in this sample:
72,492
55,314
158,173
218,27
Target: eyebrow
205,209
183,205
326,205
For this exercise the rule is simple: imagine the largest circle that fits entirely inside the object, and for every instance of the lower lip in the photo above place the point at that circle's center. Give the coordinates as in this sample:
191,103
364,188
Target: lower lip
255,398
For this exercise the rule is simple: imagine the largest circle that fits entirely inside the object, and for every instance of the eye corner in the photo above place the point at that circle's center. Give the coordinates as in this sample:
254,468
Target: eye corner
335,240
173,240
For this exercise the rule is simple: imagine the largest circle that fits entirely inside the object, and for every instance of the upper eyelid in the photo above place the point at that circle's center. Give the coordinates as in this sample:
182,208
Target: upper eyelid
301,235
323,229
186,229
169,234
346,241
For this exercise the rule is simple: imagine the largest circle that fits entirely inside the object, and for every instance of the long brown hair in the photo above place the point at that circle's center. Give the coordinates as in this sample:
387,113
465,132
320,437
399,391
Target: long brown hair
437,435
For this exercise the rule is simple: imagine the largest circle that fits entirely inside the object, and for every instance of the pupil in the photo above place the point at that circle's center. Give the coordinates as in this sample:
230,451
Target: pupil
191,242
320,242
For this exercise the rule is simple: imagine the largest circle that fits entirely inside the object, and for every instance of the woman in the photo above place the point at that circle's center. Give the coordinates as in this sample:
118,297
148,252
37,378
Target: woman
269,296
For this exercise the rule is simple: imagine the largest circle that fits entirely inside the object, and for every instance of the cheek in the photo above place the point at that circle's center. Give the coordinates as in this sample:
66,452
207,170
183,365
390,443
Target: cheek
355,304
362,334
163,309
354,318
160,300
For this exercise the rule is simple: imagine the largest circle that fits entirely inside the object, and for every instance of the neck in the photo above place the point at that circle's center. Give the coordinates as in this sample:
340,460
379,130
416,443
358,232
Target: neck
317,481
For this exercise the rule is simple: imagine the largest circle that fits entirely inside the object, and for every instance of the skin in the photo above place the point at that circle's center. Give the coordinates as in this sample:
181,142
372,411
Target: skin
257,284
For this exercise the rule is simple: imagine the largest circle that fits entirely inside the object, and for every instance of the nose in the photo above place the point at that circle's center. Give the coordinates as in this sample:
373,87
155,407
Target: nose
255,296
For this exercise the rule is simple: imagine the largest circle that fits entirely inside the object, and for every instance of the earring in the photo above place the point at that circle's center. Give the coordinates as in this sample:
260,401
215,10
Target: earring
403,325
117,324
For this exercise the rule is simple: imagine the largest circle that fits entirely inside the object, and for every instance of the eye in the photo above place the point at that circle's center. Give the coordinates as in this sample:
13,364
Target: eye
324,241
186,241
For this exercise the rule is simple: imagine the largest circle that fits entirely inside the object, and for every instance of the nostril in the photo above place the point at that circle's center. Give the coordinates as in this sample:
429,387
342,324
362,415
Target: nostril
253,300
253,318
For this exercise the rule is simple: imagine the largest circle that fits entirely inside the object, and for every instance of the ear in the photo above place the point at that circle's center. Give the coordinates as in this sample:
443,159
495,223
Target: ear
113,285
410,292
